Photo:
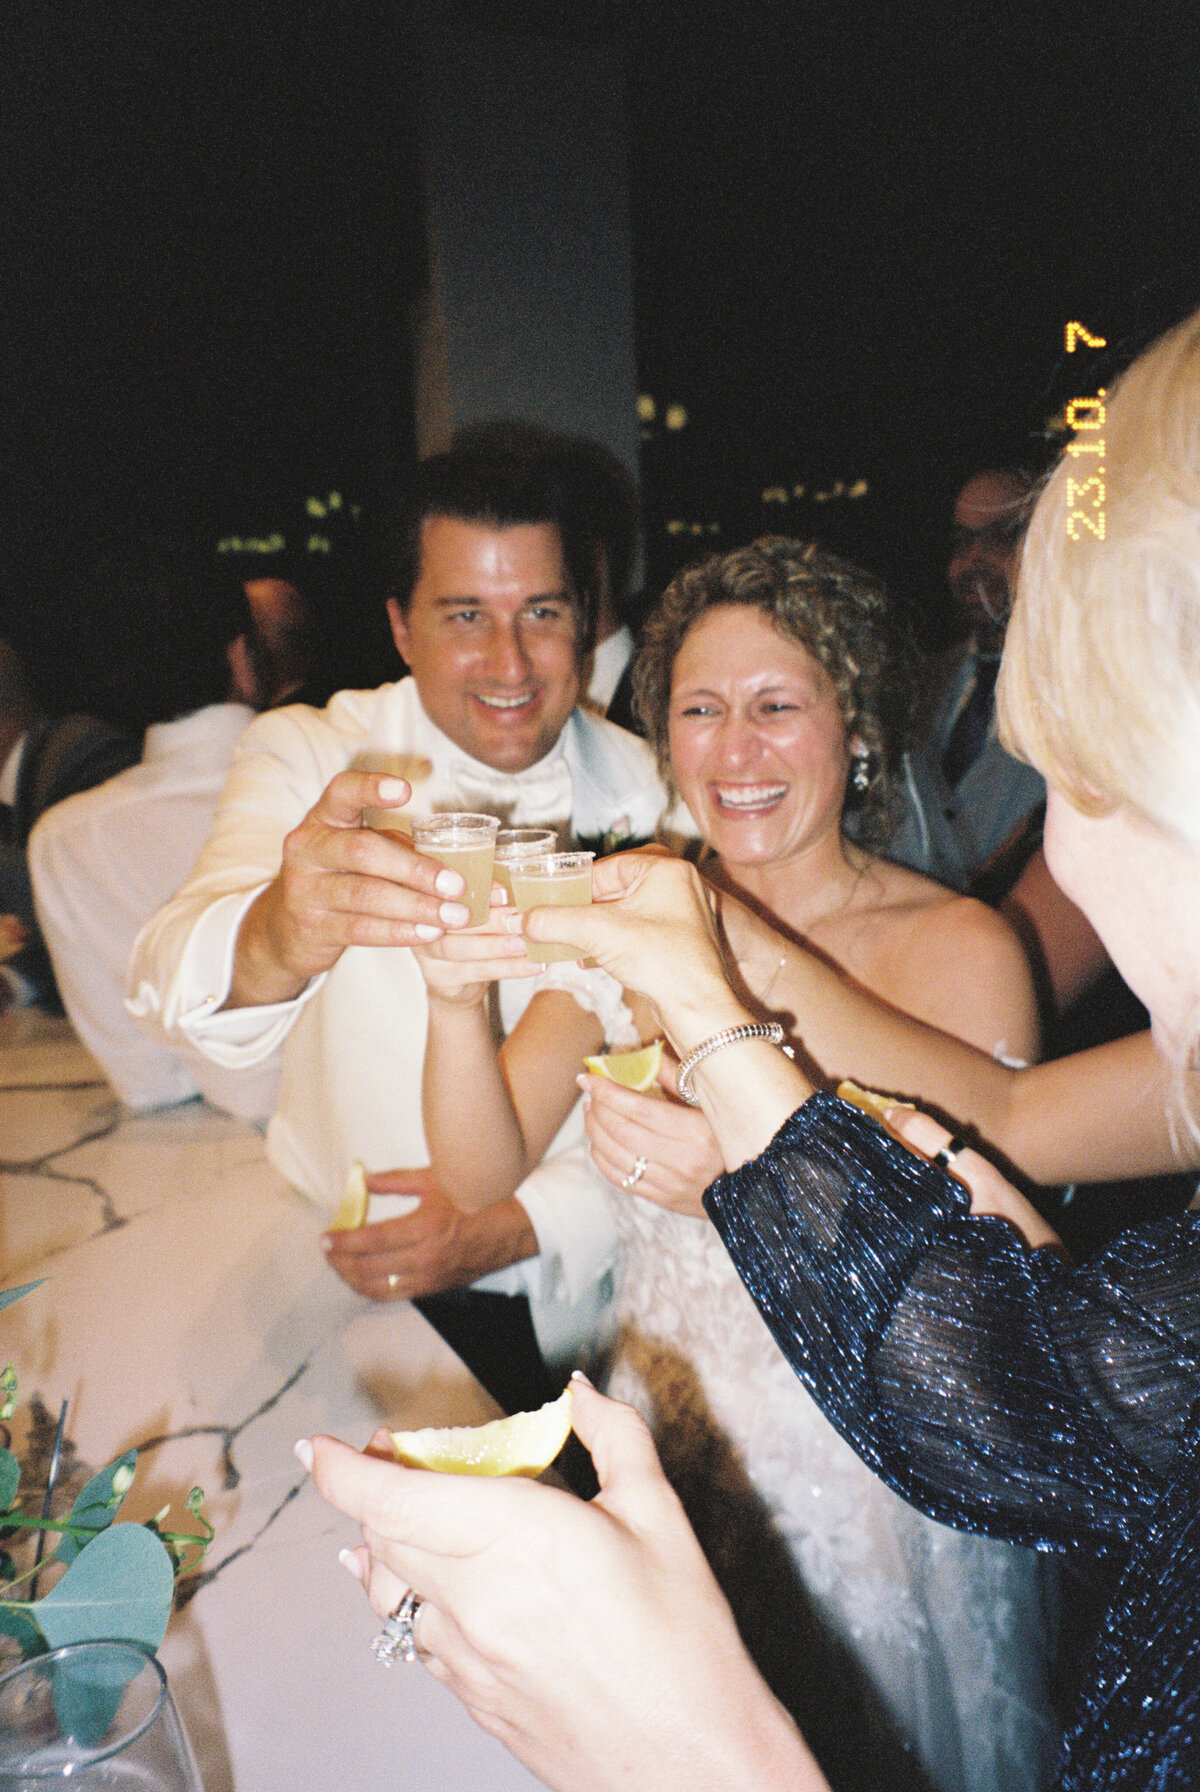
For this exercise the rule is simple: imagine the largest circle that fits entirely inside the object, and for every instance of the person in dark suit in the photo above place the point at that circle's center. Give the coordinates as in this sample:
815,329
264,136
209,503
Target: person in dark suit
966,795
42,760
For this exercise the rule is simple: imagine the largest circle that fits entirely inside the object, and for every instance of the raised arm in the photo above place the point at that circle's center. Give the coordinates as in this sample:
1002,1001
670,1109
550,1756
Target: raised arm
980,1378
490,1115
1105,1113
339,884
1097,1116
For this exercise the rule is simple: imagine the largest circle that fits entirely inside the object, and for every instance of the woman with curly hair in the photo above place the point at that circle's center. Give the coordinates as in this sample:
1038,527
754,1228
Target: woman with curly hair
775,691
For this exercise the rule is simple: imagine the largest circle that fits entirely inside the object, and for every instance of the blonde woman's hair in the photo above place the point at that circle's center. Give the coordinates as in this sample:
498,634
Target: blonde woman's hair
1100,686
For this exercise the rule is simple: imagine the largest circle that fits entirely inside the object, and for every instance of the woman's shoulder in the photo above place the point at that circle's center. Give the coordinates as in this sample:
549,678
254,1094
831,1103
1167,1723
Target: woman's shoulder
952,961
946,920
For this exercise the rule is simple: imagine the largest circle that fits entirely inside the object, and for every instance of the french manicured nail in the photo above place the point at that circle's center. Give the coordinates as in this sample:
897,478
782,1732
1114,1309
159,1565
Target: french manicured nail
423,931
304,1454
449,883
454,913
578,1375
351,1564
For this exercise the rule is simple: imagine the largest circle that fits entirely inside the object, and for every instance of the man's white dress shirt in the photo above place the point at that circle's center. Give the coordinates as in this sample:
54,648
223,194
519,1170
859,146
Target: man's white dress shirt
102,863
354,1039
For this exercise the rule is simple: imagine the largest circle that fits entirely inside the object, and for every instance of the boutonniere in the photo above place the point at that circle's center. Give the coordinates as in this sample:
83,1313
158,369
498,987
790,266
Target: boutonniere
614,839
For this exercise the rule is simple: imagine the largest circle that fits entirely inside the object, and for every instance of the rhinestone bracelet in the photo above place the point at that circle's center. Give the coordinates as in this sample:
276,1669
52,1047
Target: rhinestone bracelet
730,1036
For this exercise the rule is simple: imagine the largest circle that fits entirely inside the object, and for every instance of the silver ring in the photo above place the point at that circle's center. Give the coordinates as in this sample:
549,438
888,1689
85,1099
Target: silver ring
396,1638
393,1283
949,1151
635,1175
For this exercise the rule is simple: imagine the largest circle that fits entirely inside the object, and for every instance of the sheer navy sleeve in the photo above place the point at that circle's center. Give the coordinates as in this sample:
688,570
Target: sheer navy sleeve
996,1388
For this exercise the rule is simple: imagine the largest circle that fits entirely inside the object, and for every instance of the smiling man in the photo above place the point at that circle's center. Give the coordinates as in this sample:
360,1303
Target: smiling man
292,930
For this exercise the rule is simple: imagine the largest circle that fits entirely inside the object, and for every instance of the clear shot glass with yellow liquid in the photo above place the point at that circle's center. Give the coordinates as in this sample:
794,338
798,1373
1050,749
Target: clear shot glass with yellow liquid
515,844
558,880
464,843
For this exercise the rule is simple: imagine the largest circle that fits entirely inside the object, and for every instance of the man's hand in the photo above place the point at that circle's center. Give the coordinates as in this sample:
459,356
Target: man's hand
341,884
435,1247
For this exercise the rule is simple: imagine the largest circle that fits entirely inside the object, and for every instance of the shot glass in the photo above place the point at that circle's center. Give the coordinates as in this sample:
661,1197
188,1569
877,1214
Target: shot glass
514,844
464,843
557,880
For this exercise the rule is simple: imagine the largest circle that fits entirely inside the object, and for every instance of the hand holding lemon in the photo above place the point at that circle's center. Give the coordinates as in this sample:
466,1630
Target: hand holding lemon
631,1120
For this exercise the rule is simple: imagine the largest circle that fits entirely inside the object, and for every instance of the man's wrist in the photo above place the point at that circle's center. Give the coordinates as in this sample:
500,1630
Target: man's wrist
261,973
498,1237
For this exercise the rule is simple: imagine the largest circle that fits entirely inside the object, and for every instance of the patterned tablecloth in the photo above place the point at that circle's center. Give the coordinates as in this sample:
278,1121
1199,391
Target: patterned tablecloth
189,1312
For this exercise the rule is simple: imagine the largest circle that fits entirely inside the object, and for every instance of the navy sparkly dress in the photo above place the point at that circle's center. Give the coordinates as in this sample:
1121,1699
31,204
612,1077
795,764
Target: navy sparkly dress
1002,1391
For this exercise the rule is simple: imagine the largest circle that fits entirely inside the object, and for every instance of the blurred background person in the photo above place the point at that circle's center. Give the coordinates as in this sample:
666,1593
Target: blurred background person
966,796
42,760
201,654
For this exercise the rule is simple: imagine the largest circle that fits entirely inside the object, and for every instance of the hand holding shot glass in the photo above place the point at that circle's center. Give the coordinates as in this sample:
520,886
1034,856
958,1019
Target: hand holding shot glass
557,880
464,843
458,966
515,844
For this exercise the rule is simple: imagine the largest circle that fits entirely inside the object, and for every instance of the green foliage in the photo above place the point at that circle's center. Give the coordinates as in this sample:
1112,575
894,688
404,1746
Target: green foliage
121,1585
119,1580
9,1295
10,1477
97,1505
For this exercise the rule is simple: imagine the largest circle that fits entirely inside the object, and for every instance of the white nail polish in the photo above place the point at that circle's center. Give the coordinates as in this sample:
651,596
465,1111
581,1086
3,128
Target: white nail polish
304,1453
423,931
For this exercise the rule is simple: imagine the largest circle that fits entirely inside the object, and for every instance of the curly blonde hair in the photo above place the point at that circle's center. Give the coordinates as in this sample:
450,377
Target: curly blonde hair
838,613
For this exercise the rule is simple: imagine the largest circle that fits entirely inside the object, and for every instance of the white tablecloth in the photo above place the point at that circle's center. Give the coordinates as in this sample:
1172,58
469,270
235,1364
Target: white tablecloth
189,1312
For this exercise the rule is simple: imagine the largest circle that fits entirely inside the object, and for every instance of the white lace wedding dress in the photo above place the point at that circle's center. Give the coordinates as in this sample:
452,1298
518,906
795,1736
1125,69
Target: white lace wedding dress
937,1638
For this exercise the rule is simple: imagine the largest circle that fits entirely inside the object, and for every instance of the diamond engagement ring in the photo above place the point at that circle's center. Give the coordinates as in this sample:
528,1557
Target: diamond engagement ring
396,1638
393,1282
635,1175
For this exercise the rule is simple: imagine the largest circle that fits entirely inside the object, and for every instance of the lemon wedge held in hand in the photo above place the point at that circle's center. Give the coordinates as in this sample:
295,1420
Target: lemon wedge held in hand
633,1070
871,1103
352,1208
524,1444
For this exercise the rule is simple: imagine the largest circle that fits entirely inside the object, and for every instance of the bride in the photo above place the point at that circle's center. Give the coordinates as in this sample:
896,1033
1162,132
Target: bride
770,689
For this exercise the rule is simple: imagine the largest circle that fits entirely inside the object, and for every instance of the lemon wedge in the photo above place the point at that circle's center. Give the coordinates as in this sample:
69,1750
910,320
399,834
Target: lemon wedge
352,1208
524,1444
633,1070
871,1103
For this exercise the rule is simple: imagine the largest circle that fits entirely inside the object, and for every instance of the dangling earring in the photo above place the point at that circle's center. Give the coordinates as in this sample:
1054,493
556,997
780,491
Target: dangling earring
860,777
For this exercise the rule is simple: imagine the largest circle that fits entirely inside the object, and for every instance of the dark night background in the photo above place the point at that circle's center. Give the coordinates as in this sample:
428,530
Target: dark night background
859,233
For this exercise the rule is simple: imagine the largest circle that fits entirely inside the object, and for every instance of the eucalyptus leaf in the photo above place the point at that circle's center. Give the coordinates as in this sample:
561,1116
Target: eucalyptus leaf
97,1505
10,1479
88,1692
22,1627
9,1295
120,1585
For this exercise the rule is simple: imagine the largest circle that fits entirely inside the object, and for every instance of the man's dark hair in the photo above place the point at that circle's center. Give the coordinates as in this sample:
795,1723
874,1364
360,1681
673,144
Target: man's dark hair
599,489
499,485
